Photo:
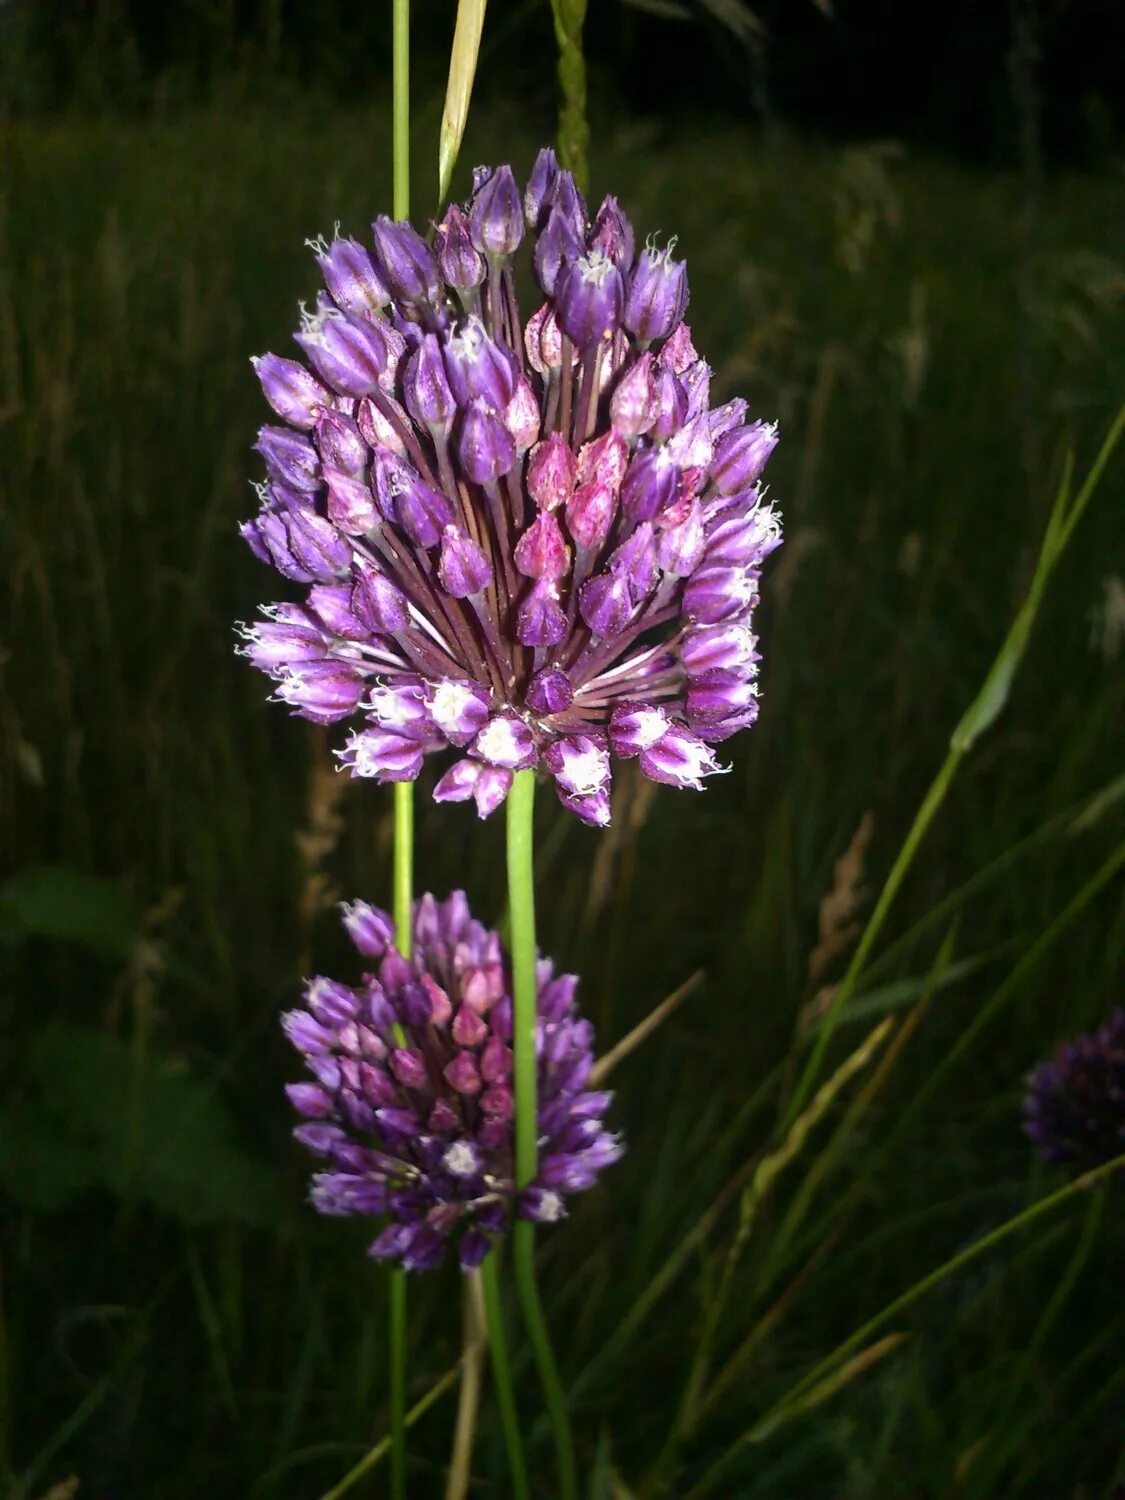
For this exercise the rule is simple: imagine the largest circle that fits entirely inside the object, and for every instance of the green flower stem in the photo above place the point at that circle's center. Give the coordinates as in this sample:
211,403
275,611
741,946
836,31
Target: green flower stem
404,865
398,1383
401,108
521,915
502,1376
404,791
521,918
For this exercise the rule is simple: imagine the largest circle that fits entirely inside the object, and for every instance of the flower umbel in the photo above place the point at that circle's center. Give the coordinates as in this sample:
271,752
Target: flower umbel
411,1103
1074,1110
534,542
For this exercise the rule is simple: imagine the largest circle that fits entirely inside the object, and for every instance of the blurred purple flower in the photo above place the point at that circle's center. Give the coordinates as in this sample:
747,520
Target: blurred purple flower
409,1101
1074,1109
542,518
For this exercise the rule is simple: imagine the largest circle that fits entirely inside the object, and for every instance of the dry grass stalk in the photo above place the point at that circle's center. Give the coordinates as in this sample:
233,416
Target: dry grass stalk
838,920
606,1064
66,1489
855,1367
468,1405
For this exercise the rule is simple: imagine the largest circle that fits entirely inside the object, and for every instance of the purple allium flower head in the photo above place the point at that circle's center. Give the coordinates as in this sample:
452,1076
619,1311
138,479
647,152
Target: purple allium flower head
409,1104
1074,1109
537,516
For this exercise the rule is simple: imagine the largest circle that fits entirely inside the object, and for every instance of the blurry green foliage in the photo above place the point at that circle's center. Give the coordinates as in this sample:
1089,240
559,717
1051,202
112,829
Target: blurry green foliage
98,1111
60,903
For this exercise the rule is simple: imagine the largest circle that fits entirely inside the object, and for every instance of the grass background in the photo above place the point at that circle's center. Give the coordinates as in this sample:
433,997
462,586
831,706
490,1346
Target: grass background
933,339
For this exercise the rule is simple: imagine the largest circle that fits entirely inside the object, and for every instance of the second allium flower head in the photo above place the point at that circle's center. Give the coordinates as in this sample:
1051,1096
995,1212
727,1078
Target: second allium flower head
411,1104
534,543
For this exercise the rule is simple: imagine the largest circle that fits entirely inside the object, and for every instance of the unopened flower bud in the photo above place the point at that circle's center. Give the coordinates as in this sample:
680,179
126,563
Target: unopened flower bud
649,485
613,234
566,198
289,457
551,472
317,545
486,448
556,247
741,455
670,403
631,405
635,560
463,569
679,548
496,214
521,415
406,262
679,352
541,552
550,692
289,388
462,264
540,621
378,602
350,505
540,186
589,513
340,443
605,603
426,391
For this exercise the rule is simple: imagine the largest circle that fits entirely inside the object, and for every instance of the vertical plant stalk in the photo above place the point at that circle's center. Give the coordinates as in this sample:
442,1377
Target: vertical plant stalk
404,791
521,915
574,130
502,1376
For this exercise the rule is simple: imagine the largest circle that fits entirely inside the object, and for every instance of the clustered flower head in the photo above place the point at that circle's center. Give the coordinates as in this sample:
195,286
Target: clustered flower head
1074,1110
533,542
411,1107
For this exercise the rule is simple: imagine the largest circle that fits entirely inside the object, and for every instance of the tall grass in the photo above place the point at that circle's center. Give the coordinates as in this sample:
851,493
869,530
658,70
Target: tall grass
163,1340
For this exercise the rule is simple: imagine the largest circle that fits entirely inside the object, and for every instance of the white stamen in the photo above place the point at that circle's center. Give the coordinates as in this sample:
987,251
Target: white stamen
449,702
550,1207
461,1159
585,770
497,742
595,267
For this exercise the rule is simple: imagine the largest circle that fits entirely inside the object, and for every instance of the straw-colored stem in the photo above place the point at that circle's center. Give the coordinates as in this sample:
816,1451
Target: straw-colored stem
468,1404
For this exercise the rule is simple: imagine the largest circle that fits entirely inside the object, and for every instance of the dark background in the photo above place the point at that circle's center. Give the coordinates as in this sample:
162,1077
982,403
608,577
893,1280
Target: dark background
905,229
935,75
